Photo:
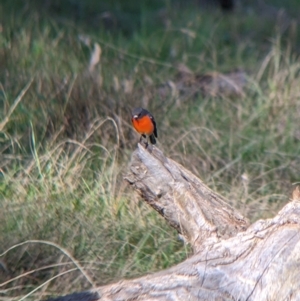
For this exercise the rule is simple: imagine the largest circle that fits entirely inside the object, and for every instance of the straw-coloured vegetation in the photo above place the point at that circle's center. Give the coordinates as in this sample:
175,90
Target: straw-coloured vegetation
225,93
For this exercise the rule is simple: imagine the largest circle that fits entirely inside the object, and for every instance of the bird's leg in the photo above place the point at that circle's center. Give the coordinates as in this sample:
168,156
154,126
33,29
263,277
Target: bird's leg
142,137
148,145
144,140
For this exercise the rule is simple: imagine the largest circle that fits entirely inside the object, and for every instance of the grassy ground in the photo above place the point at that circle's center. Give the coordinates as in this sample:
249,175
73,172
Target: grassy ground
65,135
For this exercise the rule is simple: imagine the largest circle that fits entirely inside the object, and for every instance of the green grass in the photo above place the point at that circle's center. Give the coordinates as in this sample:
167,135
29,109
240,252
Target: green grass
66,140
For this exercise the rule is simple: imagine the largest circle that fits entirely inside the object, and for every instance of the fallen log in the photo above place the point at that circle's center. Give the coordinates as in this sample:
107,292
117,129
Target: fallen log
231,261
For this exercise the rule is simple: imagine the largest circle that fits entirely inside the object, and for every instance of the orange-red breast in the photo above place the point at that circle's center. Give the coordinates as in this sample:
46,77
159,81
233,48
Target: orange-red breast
144,123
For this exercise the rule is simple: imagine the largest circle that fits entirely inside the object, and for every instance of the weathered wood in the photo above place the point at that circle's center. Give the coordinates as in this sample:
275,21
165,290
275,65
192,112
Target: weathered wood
186,203
230,262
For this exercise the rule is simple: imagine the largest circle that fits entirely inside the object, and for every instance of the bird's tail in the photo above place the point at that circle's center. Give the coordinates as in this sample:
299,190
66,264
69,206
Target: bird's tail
152,139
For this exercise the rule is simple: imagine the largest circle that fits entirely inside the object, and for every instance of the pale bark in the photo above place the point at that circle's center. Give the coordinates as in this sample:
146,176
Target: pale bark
230,261
199,214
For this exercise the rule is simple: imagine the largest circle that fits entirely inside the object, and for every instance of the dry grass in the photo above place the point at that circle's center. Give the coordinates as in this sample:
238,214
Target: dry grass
69,220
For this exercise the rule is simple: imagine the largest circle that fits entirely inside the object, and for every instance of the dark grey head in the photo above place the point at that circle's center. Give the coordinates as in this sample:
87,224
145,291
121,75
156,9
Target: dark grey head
138,112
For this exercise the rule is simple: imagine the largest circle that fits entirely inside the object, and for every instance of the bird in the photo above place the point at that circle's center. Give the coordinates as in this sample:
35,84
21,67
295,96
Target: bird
144,123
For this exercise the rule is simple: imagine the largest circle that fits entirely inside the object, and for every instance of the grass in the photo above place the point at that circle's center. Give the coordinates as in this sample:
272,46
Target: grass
66,138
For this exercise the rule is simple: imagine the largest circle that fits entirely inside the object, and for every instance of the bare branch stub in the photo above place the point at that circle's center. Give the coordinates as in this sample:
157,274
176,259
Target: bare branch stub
195,211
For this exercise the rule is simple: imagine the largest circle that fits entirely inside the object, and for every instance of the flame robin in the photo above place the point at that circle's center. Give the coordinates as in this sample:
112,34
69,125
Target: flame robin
144,124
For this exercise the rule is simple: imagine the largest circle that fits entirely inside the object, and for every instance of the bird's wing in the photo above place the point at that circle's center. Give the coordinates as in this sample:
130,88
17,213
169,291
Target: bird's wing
155,130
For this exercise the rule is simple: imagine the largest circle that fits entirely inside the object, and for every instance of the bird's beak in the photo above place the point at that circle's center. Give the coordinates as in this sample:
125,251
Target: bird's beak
135,116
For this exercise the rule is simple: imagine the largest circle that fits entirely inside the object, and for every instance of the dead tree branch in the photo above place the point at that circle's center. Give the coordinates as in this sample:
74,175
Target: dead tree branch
231,261
187,204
